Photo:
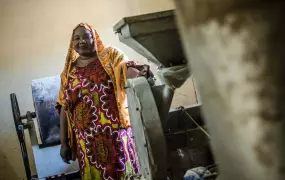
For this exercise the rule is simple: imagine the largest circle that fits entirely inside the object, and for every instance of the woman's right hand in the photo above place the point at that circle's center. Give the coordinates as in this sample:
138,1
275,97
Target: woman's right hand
65,153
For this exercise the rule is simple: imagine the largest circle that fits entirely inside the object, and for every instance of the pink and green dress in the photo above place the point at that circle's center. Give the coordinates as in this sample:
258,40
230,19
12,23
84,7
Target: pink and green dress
105,148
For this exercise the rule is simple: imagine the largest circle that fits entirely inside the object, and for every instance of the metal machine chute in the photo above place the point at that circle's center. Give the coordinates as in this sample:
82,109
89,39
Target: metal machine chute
168,142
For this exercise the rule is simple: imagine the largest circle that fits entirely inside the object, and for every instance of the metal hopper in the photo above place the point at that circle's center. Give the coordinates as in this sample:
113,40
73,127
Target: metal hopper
154,36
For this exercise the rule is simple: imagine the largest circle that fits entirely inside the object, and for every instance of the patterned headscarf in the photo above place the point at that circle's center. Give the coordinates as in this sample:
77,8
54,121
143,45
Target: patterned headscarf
72,55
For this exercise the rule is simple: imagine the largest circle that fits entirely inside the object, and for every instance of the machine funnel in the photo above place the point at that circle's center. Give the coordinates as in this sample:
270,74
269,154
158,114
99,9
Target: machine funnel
155,36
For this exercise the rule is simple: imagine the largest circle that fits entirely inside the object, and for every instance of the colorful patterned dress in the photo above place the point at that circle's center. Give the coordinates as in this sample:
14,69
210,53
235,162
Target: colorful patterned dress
105,150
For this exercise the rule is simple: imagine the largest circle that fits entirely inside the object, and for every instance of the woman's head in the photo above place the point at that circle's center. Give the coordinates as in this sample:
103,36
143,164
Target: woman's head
83,40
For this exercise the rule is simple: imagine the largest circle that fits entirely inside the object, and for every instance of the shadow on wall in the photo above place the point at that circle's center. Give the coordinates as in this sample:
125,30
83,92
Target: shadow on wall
6,171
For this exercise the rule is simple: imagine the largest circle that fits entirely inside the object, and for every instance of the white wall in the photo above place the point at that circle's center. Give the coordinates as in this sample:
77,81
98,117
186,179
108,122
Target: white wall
34,37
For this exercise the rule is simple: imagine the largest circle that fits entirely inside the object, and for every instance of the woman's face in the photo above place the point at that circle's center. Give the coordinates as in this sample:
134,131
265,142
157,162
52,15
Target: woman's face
83,42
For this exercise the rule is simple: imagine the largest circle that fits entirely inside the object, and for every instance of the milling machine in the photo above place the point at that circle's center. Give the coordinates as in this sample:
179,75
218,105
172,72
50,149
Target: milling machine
168,142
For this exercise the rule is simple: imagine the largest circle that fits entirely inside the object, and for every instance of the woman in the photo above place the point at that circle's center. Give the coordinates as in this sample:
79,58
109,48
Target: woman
94,124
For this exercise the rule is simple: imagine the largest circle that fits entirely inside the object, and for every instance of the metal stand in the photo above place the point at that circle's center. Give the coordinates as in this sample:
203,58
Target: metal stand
20,127
53,169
